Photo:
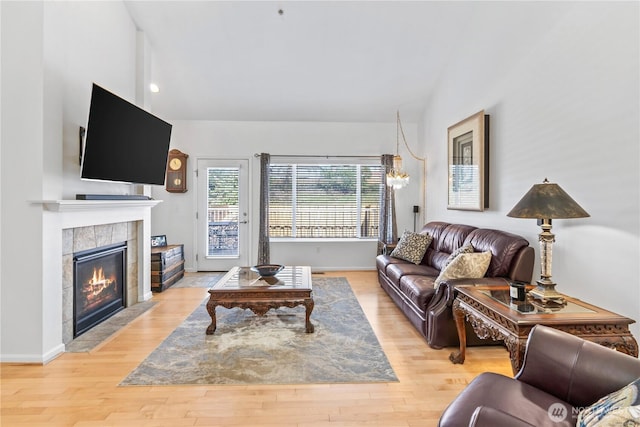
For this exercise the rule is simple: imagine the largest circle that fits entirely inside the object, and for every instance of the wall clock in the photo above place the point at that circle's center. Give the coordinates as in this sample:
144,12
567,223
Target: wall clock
176,181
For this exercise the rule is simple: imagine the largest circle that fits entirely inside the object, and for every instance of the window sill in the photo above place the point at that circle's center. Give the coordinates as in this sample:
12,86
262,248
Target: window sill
321,240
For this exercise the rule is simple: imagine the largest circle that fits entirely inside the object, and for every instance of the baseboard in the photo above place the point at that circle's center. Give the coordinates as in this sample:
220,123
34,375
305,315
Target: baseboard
39,359
321,269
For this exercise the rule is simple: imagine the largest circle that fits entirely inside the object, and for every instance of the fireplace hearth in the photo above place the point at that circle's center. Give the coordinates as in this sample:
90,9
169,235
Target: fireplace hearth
99,287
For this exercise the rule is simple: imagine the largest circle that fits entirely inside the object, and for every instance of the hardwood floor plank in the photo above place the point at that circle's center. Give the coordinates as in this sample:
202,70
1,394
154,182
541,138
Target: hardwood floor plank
81,389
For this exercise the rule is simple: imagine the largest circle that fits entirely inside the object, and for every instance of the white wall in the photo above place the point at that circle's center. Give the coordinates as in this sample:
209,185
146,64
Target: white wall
51,53
22,132
86,42
175,217
565,106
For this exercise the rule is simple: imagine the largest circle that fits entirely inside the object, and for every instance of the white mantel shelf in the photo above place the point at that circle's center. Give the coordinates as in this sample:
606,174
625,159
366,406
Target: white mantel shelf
93,205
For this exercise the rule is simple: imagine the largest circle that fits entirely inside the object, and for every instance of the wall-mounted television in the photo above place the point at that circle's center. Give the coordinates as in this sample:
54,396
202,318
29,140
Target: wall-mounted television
124,143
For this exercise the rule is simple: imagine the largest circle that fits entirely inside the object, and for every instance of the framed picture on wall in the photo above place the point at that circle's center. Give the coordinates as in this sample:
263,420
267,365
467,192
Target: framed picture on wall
468,163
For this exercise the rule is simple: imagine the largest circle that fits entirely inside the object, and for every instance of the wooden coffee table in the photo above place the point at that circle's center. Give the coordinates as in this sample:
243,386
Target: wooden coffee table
490,311
242,287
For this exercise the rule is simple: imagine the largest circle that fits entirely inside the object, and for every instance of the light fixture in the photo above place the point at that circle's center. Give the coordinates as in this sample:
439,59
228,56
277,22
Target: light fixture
545,202
396,177
154,88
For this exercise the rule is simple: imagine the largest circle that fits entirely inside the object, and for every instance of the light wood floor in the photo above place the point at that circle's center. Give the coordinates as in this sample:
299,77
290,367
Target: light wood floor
81,389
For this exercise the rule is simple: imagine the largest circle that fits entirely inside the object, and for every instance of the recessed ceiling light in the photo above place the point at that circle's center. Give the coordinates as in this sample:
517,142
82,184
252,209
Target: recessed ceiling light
154,88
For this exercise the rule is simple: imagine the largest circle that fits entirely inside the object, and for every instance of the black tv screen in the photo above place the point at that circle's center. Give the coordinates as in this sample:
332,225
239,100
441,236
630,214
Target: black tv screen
124,143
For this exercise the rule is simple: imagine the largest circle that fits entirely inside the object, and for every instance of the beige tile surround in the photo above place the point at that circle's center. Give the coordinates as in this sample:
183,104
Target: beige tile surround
91,237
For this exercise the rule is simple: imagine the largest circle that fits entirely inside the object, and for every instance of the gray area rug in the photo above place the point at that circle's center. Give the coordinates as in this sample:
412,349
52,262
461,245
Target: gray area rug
272,349
198,280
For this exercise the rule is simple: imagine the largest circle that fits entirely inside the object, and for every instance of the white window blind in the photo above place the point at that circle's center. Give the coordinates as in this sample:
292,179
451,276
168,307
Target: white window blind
324,200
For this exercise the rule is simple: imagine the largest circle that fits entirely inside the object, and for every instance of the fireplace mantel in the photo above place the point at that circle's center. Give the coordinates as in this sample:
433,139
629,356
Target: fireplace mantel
81,213
91,205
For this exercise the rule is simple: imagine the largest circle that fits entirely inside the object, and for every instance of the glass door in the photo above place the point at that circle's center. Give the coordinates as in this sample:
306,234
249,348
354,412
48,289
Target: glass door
222,214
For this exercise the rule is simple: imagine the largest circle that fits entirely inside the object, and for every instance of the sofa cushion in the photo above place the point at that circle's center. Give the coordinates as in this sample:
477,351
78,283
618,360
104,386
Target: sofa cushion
435,229
466,266
412,246
396,271
503,246
454,236
619,408
383,261
419,289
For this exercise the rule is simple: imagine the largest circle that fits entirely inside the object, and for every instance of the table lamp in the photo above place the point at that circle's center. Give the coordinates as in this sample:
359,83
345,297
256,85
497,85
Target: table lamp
545,202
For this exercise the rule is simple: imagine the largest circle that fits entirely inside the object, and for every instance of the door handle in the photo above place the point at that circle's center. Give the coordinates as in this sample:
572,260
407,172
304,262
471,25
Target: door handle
243,222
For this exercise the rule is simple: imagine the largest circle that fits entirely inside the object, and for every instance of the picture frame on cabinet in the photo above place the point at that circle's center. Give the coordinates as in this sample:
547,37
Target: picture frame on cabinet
158,241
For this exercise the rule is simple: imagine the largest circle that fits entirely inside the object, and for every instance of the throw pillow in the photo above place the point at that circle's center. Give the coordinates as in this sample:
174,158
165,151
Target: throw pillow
465,249
466,266
412,247
620,408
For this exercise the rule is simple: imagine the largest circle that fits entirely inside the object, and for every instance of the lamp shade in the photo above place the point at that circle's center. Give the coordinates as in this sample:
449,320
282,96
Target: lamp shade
547,200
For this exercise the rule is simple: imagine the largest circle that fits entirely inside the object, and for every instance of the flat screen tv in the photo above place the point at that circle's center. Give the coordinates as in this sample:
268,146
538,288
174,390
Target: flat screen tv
124,143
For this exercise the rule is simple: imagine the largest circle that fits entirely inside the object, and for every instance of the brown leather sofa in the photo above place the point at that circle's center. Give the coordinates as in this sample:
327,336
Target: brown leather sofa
411,286
561,374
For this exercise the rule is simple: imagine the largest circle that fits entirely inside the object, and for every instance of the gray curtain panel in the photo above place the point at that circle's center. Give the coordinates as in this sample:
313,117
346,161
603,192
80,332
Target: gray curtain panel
263,238
388,230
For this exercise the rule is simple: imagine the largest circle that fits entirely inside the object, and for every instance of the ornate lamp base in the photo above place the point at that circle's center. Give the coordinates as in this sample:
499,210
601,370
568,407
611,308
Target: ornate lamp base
546,292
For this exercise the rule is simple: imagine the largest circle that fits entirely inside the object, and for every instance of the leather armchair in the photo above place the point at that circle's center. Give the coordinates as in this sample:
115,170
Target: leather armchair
561,374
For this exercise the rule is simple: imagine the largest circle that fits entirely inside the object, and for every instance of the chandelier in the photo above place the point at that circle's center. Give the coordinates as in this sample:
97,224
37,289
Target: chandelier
396,177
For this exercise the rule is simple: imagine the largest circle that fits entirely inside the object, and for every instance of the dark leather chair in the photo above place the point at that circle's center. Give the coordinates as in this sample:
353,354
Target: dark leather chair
561,374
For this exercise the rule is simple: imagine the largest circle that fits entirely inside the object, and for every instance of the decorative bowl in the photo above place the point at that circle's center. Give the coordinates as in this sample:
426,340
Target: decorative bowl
267,270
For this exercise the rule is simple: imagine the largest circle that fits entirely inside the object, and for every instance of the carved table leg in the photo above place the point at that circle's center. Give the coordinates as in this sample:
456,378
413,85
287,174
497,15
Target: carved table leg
309,304
516,348
627,345
211,308
458,315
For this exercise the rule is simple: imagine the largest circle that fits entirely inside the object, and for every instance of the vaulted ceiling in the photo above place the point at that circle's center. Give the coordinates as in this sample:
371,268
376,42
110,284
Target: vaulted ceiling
354,61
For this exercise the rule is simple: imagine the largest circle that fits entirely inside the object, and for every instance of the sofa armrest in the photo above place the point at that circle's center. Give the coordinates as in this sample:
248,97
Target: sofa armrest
485,416
446,289
573,369
441,330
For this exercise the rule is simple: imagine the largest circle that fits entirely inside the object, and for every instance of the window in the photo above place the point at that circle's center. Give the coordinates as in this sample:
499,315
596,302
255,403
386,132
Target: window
222,211
324,200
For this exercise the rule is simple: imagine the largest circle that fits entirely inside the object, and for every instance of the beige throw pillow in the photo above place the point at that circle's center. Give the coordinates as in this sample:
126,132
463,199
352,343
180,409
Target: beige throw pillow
466,249
412,247
466,266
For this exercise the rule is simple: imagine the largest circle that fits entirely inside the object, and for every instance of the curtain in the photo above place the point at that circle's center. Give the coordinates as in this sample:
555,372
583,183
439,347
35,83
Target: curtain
263,238
388,231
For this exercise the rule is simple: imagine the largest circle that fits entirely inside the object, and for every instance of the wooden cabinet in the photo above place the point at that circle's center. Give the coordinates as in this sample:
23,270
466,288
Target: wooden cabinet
167,266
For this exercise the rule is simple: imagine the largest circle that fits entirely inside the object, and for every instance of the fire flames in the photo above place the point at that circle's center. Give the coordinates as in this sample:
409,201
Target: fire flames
97,284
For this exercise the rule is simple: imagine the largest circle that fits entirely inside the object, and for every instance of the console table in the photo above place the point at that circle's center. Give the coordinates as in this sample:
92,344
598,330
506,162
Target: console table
492,315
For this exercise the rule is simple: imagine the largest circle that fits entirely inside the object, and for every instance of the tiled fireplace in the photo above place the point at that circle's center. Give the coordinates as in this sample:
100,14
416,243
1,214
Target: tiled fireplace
83,242
72,226
99,283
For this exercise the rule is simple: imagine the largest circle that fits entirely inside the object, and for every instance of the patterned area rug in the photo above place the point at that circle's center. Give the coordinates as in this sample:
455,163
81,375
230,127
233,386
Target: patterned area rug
272,349
198,280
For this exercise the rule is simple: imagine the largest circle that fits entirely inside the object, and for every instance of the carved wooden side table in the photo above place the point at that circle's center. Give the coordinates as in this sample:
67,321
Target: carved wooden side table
492,315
